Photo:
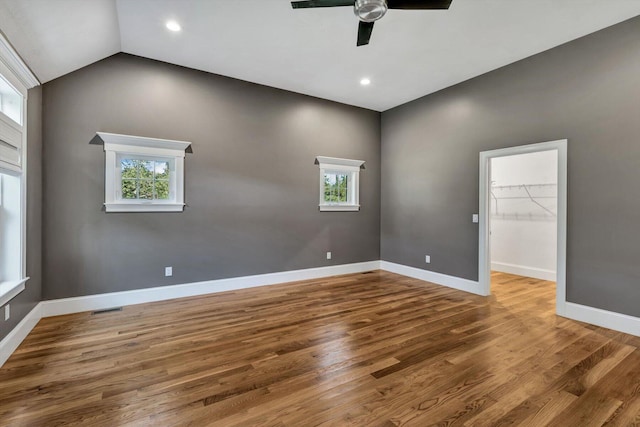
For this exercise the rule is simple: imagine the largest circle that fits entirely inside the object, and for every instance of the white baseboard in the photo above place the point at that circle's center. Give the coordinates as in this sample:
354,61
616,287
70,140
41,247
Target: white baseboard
606,319
10,343
582,313
139,296
522,270
433,277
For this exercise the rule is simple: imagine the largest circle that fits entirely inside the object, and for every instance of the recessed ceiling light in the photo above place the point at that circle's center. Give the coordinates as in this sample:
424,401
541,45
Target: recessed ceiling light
173,26
365,82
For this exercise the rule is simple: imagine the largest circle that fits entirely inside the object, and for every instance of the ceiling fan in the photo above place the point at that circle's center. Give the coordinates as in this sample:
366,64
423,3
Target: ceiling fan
369,11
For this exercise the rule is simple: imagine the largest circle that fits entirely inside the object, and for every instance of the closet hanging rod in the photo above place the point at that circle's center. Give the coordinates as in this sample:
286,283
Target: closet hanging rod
521,197
529,196
505,187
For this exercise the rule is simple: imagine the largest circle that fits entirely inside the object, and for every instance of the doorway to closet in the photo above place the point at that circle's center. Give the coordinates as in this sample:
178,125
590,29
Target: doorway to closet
523,219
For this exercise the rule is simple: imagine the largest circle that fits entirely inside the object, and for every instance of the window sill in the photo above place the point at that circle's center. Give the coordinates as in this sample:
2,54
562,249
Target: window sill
144,207
9,290
339,208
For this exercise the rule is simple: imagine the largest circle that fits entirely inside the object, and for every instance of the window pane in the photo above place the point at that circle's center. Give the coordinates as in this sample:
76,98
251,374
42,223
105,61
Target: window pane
145,169
129,168
343,188
162,190
145,179
145,189
10,227
129,188
328,179
335,188
10,101
162,170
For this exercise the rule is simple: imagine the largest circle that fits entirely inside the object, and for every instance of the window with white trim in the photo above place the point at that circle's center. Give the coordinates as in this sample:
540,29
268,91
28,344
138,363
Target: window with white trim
339,183
15,80
143,174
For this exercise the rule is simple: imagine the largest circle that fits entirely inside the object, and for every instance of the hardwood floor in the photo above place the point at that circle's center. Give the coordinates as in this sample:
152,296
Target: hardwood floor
373,349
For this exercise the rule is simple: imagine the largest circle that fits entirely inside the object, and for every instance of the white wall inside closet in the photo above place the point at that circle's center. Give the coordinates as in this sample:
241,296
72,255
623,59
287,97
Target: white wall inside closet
523,206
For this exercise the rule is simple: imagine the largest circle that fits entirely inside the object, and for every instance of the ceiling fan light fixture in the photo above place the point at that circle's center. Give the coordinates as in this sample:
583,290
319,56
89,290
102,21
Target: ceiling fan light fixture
370,10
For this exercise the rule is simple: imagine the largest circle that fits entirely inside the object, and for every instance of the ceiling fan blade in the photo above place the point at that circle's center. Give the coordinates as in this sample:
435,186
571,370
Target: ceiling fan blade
418,4
321,3
364,32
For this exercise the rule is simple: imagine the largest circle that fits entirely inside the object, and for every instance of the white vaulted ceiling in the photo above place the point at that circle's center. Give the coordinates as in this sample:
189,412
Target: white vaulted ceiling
57,37
310,51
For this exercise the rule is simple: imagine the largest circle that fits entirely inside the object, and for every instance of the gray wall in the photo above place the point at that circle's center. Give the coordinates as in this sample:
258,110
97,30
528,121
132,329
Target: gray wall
587,91
22,304
251,185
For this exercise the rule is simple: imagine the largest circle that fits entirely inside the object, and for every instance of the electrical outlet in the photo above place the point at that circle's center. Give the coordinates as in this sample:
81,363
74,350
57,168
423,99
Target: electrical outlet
427,259
328,255
168,271
475,219
7,312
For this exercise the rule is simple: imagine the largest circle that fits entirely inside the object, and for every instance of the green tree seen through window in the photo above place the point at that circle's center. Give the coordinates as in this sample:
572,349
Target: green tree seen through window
335,188
145,179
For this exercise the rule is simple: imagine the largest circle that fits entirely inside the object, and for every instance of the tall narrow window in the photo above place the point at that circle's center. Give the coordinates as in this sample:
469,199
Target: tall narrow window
12,273
339,183
10,227
15,79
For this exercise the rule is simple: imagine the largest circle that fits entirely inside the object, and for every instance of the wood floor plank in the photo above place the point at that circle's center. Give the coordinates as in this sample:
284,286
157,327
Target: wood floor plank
553,405
375,349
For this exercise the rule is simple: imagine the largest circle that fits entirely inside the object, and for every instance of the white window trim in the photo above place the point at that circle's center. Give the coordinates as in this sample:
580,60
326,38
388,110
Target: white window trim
116,145
343,166
14,70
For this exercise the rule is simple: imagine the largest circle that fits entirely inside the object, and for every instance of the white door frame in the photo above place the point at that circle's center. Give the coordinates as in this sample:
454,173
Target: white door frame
484,267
